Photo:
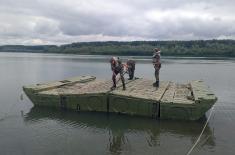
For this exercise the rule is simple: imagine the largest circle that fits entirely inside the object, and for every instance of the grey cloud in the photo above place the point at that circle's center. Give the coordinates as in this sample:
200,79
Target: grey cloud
24,21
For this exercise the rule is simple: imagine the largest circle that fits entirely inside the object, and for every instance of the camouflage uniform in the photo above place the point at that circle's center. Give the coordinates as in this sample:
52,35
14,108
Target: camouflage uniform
117,68
131,68
157,66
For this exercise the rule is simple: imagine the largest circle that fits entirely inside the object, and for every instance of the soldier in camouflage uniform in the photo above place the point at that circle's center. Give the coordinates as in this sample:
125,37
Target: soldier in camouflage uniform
157,65
131,68
117,68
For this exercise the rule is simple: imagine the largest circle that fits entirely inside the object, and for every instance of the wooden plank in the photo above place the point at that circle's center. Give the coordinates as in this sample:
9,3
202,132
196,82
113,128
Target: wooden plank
93,87
168,96
56,84
181,94
201,91
142,88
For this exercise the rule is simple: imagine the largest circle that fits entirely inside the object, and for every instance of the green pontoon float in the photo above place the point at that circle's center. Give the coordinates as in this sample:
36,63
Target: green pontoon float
86,93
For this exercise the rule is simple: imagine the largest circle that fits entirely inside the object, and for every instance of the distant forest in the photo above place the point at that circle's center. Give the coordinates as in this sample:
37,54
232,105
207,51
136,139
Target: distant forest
198,48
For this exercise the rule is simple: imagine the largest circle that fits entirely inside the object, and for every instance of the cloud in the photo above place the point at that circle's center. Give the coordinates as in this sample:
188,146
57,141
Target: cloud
58,22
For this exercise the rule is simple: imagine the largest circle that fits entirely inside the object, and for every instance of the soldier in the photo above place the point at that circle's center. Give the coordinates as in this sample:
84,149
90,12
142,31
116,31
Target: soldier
157,65
131,68
117,68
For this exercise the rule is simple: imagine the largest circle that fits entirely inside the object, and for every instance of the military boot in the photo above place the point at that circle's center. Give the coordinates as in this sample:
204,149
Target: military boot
154,84
123,87
157,83
113,87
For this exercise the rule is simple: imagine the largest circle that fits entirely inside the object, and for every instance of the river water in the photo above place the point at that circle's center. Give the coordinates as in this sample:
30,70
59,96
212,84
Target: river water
27,130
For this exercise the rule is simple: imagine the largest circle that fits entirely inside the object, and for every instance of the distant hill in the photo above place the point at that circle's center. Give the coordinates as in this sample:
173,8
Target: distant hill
198,48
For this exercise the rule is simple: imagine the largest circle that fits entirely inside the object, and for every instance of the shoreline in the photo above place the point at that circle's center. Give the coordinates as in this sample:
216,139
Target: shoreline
121,55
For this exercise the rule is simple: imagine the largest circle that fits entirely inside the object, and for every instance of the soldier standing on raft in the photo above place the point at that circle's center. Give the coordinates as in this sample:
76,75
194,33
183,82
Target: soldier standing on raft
117,68
157,65
131,68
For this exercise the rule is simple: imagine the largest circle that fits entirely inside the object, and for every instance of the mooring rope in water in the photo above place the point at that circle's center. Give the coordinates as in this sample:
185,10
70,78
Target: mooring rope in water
199,137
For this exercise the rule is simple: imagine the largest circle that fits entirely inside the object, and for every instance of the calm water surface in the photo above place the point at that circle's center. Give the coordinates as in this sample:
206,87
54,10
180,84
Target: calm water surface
26,130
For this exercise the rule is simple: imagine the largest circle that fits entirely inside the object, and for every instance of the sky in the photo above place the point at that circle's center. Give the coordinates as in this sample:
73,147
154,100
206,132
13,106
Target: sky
37,22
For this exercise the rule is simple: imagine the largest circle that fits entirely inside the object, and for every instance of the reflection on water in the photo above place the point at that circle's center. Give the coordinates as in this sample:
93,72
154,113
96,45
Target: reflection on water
119,128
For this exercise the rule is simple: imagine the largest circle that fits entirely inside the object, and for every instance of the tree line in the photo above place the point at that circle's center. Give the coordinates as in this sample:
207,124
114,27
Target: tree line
196,48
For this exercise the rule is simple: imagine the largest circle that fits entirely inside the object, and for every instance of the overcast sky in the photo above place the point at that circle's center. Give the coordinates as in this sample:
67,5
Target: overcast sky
34,22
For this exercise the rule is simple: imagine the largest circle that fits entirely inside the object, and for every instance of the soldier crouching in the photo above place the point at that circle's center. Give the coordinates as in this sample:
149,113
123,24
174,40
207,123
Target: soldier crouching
131,68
